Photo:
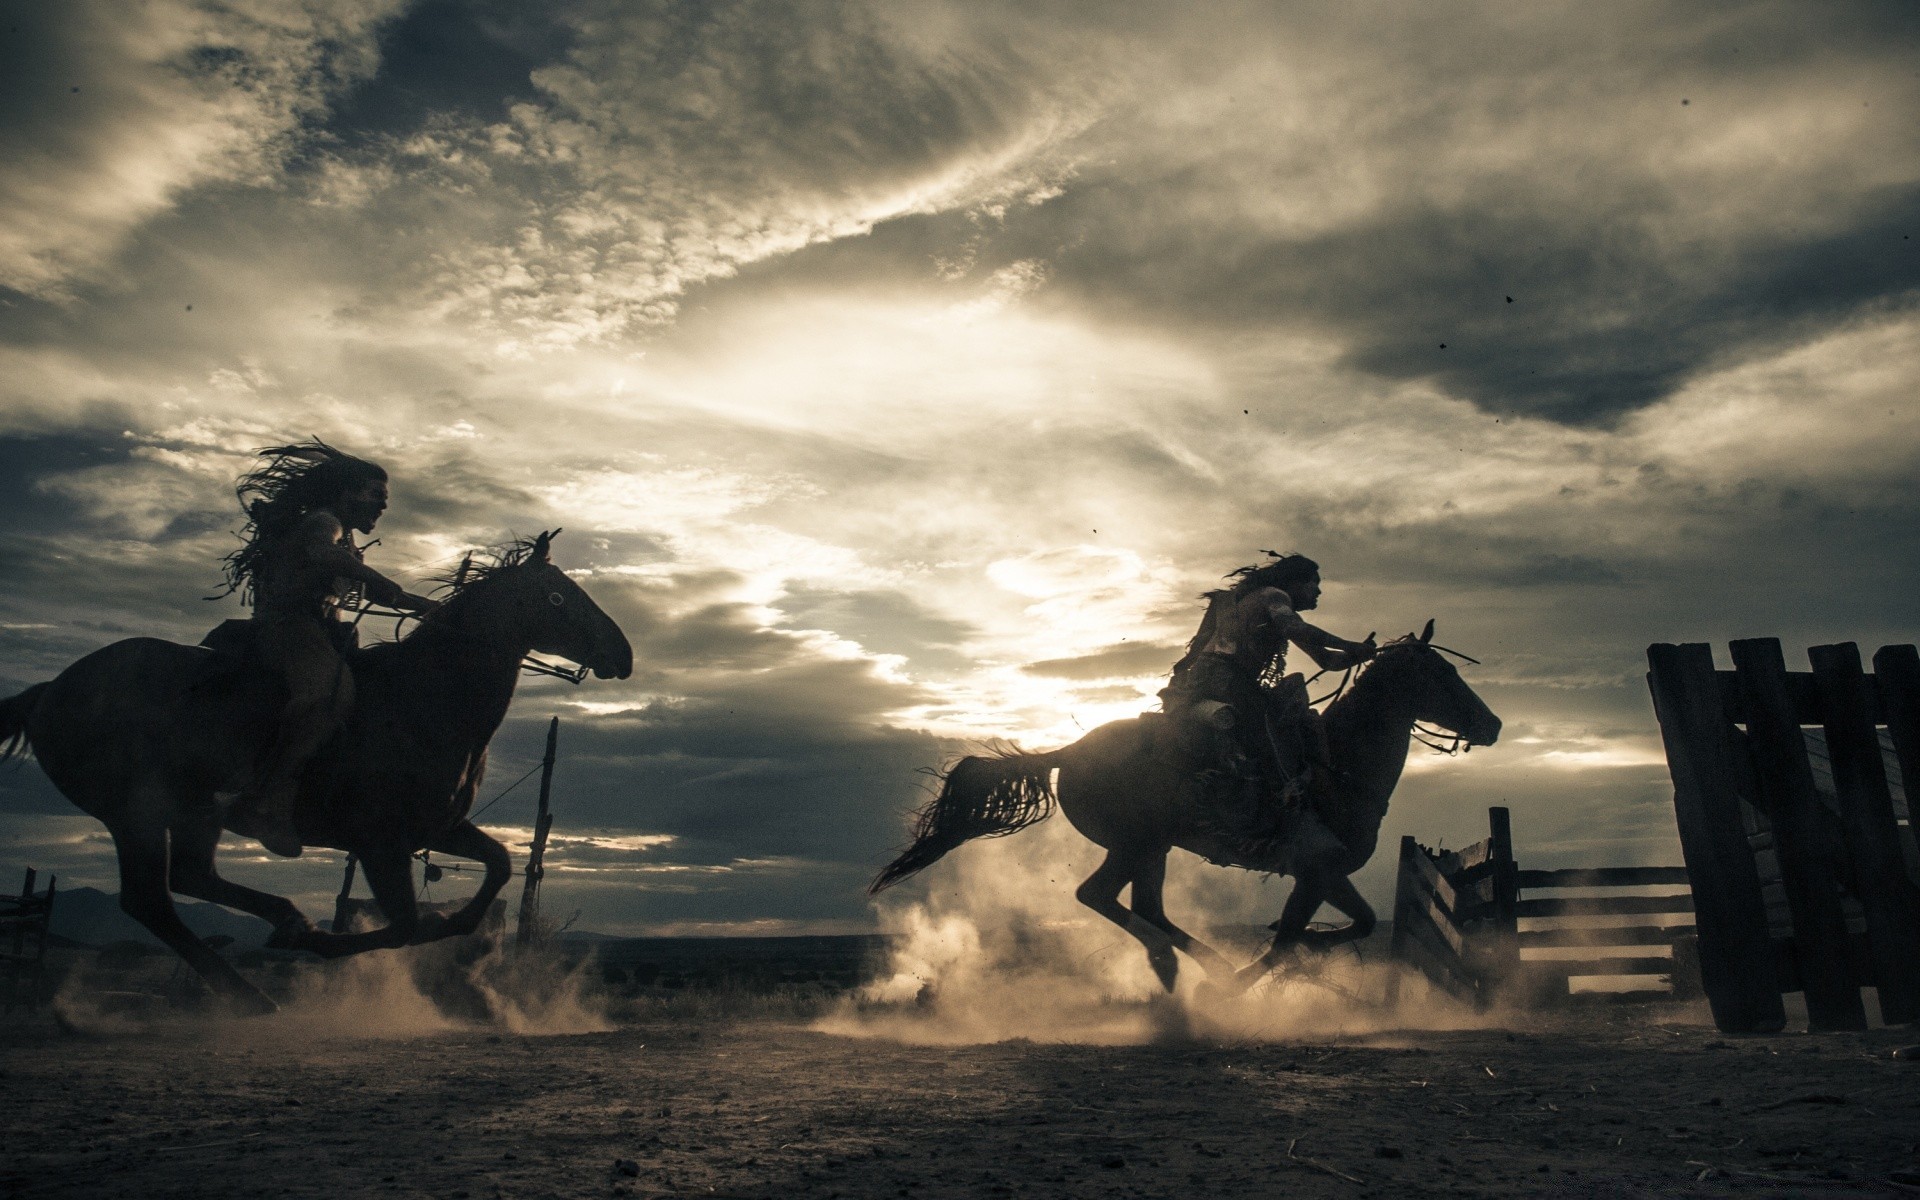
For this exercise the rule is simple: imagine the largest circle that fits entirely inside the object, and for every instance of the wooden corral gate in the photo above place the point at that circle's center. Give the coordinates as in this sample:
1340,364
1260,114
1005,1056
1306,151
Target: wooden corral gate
1457,917
24,921
1787,791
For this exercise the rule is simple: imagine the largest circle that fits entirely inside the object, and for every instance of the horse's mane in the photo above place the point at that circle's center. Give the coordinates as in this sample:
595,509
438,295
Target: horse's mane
482,564
476,566
1365,669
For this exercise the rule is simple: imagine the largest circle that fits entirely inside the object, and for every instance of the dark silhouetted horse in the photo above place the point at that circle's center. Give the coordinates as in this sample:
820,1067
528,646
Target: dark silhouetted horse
1125,798
155,738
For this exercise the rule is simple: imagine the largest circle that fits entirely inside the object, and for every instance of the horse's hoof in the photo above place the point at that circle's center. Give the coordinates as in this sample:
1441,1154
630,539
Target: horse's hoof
1166,967
290,934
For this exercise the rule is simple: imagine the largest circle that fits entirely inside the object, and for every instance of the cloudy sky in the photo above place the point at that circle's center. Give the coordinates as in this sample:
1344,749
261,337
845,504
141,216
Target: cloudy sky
901,372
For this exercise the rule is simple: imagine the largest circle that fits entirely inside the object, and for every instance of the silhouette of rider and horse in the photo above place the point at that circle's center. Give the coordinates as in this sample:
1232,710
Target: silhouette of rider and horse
280,728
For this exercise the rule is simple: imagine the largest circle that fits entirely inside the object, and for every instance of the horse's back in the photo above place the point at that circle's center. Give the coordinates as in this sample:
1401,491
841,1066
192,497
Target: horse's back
1115,788
139,706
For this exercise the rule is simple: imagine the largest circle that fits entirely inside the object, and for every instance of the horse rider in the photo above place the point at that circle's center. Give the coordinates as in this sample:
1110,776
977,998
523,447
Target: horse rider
1235,706
299,567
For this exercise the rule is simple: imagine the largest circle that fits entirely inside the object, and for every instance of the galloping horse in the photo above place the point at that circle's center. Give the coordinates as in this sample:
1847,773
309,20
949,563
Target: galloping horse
154,738
1124,798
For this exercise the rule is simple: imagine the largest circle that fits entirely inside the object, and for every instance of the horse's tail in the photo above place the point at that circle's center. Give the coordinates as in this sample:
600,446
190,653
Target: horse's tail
14,712
981,796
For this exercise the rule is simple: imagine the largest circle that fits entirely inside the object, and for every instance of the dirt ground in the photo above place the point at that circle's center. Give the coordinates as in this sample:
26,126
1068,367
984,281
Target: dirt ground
704,1105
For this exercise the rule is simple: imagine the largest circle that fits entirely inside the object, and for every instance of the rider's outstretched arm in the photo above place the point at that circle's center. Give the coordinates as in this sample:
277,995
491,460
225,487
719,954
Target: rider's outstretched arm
1329,652
320,533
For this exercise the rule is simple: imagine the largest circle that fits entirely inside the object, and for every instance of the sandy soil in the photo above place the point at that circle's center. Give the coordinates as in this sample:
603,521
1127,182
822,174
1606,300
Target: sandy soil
702,1105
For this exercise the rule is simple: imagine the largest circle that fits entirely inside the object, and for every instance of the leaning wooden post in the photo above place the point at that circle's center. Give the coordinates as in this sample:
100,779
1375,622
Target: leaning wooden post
543,822
1736,949
341,918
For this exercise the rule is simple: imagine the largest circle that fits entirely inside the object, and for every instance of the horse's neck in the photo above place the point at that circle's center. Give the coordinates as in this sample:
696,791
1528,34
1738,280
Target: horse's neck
469,678
1367,734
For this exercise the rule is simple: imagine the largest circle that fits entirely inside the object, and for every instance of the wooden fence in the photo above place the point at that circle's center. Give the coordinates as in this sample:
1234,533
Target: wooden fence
24,921
1788,791
1482,928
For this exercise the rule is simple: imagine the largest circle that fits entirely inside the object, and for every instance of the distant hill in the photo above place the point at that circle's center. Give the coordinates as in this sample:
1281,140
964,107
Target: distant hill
93,917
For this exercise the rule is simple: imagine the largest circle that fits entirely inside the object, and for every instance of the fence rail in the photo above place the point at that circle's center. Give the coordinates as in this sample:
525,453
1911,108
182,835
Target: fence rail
1457,919
24,928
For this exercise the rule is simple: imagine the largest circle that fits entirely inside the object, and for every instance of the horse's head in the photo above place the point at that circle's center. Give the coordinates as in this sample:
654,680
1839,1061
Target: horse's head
1418,671
534,603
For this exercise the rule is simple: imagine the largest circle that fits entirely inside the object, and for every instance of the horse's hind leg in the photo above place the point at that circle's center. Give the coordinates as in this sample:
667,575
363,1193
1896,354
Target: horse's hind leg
1149,888
193,843
145,896
1101,893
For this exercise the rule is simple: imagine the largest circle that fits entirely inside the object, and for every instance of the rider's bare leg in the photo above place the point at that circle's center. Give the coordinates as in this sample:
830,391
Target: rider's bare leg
1149,888
1101,893
320,693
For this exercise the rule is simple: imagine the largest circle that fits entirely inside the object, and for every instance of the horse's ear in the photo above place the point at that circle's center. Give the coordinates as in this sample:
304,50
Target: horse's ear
543,544
1426,635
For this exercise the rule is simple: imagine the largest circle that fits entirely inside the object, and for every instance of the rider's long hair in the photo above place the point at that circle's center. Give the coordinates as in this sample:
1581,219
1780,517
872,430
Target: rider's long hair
1281,571
296,479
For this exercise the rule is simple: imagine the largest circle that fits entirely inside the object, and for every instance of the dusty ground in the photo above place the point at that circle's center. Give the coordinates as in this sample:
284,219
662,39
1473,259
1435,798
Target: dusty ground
701,1105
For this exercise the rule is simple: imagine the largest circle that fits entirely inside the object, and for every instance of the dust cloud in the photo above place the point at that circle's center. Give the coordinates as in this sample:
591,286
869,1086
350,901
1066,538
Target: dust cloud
991,946
418,991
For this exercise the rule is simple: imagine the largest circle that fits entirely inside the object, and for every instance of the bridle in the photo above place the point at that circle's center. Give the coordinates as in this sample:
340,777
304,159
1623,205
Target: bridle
1444,741
530,663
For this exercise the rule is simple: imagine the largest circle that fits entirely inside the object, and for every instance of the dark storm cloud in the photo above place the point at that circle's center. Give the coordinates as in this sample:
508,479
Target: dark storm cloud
470,61
108,112
1532,256
882,622
26,506
1112,662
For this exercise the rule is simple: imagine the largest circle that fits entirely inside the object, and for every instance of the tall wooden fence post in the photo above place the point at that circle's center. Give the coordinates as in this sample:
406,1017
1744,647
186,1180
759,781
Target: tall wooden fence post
1736,950
1783,779
1872,836
1896,670
1504,955
542,825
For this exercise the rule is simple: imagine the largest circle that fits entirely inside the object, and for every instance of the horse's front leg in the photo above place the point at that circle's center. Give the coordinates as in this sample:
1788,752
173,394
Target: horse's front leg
465,840
389,872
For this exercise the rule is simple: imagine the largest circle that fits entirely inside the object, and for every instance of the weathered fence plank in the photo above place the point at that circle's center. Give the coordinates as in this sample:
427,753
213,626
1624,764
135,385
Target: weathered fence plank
1605,935
1422,938
1880,880
1783,781
1574,877
1736,953
1609,906
1896,669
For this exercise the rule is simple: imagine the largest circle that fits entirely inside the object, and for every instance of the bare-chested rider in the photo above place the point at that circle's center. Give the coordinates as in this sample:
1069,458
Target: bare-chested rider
299,566
1238,660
